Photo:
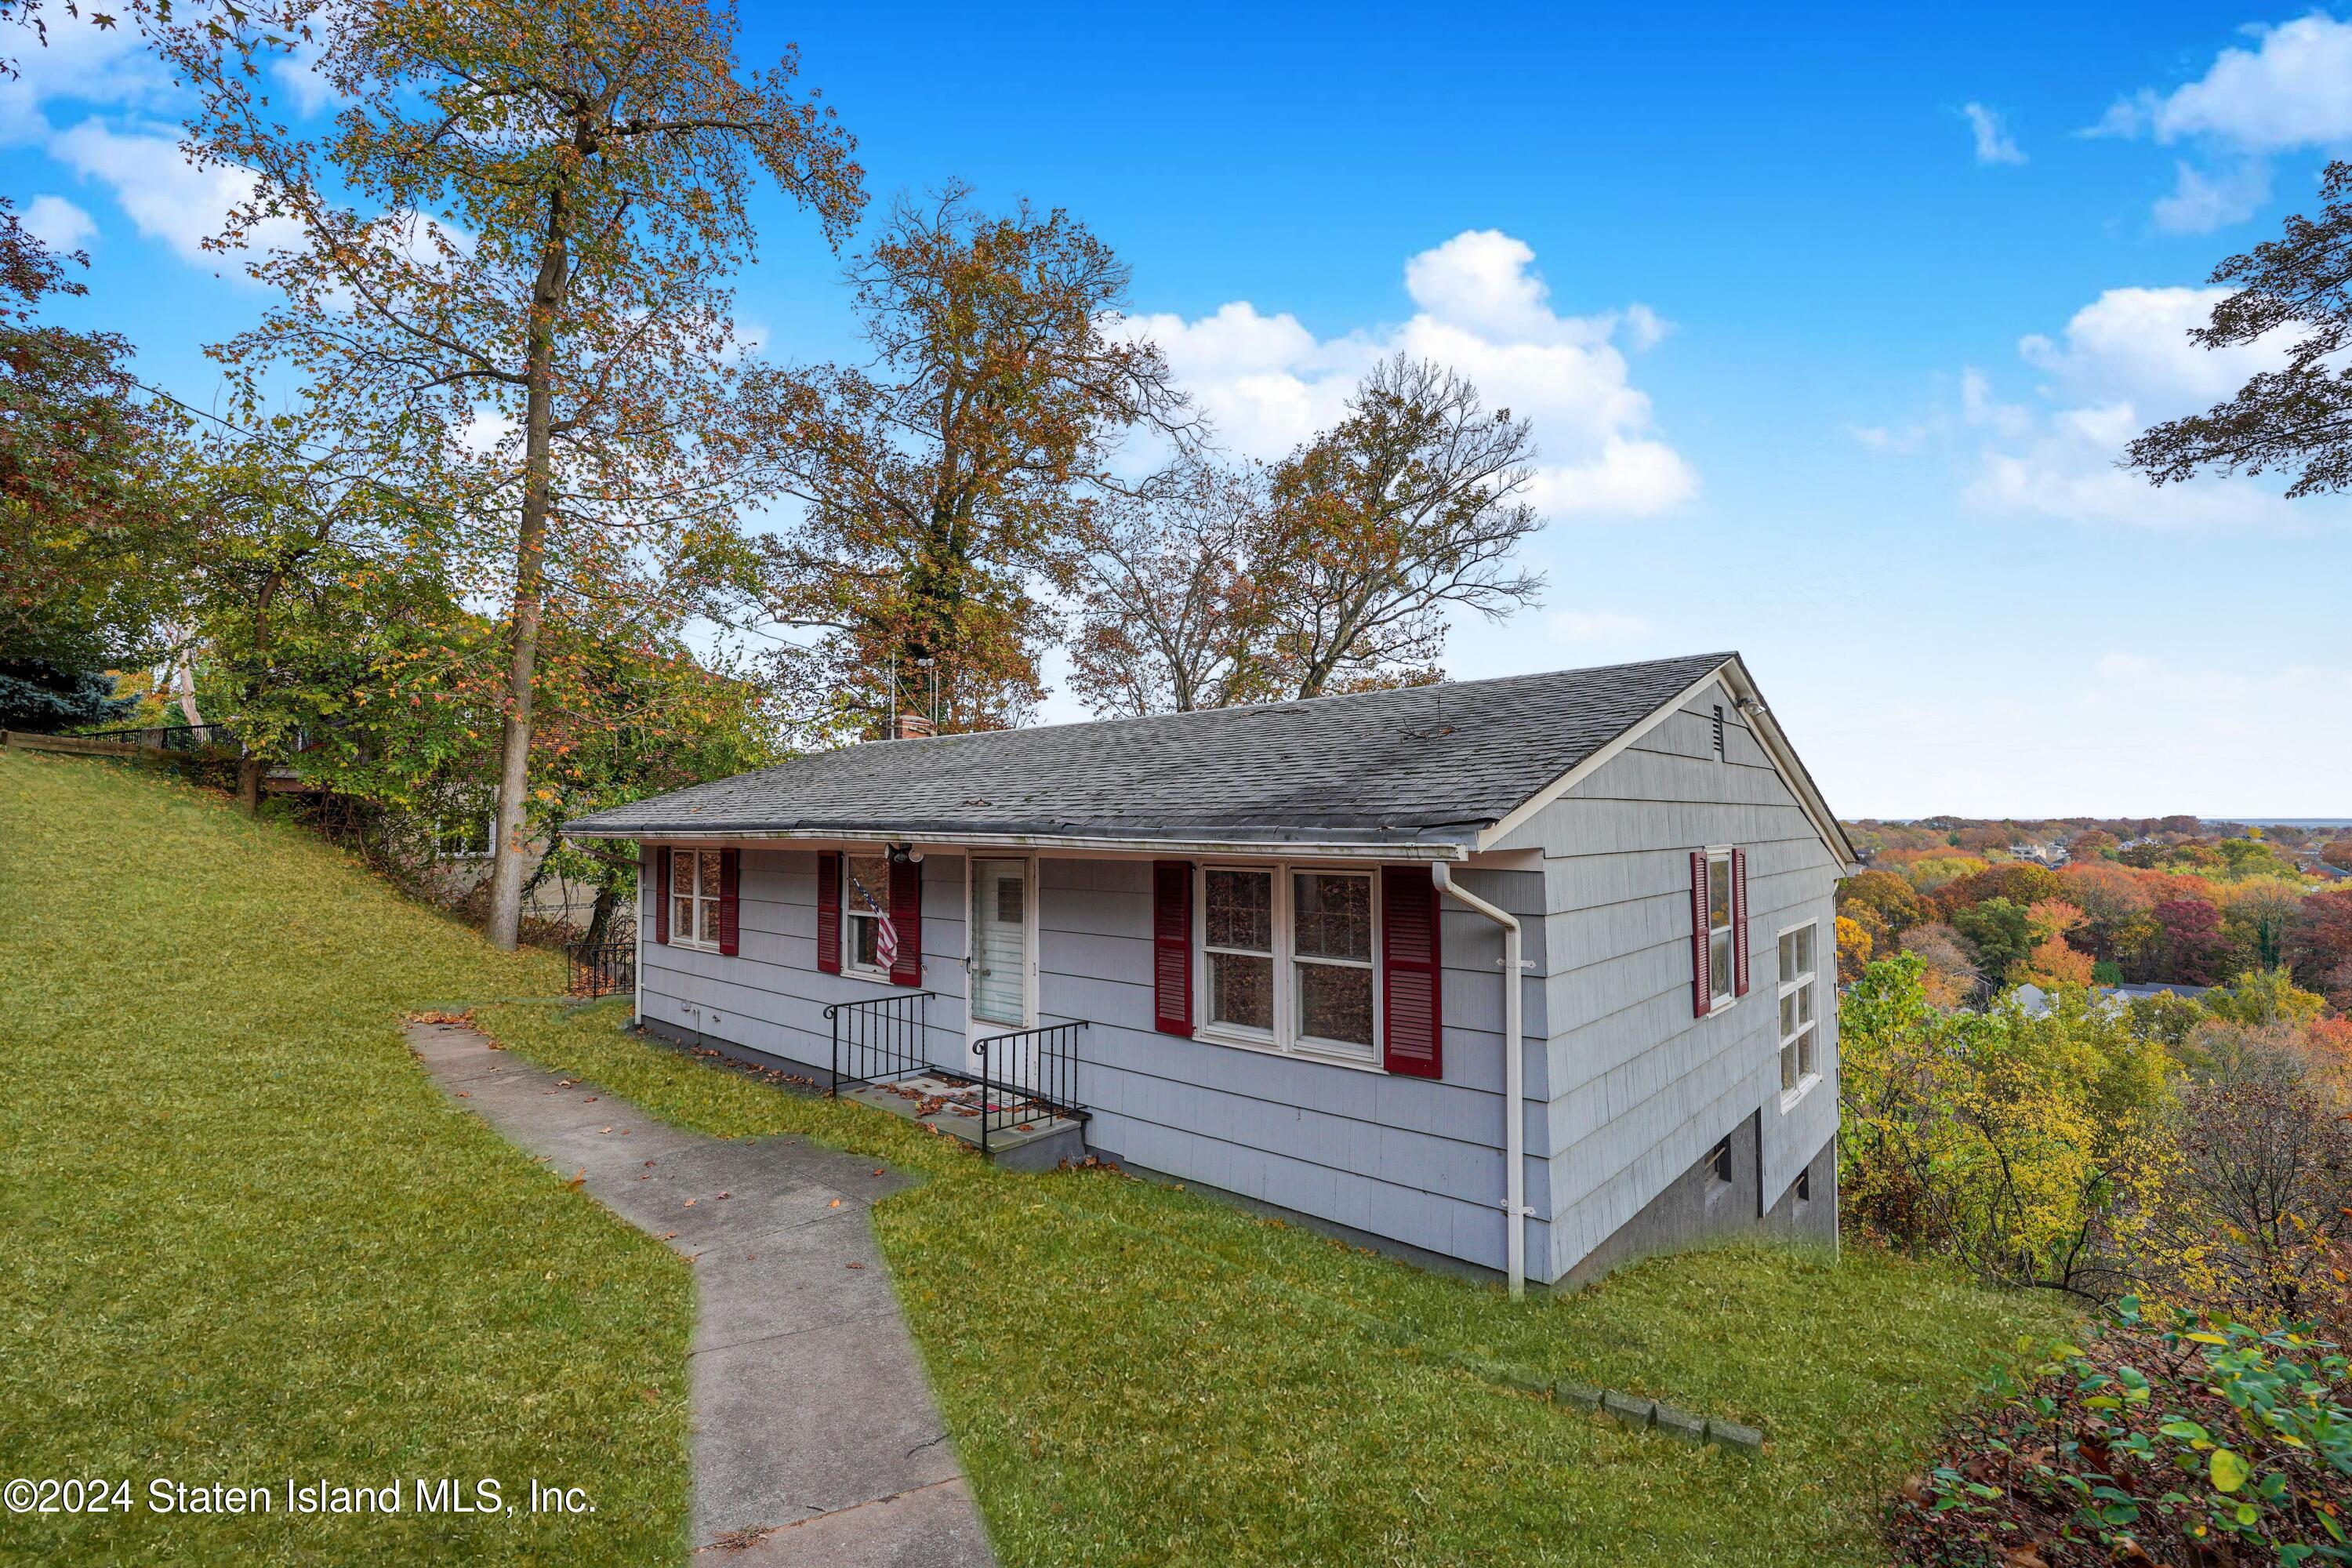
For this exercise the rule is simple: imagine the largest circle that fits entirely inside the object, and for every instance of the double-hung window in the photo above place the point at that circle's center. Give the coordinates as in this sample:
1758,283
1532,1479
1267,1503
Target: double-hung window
1798,999
865,904
1288,959
694,877
1720,962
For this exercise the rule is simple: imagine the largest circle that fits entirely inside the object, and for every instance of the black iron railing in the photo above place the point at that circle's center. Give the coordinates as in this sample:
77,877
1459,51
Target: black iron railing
878,1038
607,967
1027,1077
172,737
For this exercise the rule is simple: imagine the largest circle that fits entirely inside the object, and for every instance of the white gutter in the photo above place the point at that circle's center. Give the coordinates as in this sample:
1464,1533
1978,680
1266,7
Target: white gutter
1295,848
1515,1175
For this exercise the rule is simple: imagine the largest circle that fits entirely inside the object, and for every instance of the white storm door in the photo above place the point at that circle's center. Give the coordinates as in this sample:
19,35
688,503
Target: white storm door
1002,921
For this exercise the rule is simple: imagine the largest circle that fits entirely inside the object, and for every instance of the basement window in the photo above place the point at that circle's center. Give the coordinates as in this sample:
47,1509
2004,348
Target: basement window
1719,1164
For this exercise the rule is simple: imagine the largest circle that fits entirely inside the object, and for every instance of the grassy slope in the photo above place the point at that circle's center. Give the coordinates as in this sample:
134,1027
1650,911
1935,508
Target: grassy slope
246,1237
1140,1375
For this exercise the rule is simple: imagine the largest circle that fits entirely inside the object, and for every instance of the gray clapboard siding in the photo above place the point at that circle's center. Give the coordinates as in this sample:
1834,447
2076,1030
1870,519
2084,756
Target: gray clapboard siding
1409,1159
1640,1088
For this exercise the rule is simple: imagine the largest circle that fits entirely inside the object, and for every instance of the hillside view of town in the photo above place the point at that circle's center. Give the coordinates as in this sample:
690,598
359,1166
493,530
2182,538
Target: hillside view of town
2133,904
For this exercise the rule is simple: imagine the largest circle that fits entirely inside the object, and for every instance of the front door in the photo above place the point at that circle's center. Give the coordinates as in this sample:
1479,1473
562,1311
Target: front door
1002,920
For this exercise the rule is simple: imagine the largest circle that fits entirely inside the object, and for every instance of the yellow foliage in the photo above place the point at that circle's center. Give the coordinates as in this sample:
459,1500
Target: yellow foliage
1854,947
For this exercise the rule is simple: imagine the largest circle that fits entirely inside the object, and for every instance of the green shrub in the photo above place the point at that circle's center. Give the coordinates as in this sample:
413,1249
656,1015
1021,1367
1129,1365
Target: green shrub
2178,1443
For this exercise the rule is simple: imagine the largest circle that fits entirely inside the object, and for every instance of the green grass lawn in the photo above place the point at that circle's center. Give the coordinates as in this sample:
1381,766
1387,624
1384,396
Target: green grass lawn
248,1236
1135,1374
246,1239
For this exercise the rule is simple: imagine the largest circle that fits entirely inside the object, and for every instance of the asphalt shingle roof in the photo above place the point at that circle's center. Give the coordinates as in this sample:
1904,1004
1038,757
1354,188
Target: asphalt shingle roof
1430,763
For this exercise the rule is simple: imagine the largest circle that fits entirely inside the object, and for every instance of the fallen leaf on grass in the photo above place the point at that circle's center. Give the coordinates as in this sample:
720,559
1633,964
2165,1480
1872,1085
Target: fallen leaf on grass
579,1180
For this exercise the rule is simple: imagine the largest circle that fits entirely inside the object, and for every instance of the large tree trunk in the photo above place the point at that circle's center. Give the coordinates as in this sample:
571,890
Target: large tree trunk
184,682
530,591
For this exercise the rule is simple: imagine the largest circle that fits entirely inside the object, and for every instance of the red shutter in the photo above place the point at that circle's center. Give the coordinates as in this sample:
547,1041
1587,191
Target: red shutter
731,887
907,916
661,895
1701,983
828,912
1171,947
1739,922
1409,961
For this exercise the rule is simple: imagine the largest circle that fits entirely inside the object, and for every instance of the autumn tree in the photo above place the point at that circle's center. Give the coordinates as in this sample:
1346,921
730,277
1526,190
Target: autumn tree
947,481
1412,506
2295,419
631,712
2319,943
294,570
83,518
506,272
1172,610
1883,904
2191,947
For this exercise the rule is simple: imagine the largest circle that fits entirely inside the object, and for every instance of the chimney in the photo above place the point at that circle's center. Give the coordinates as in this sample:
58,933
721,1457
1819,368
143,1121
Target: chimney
915,727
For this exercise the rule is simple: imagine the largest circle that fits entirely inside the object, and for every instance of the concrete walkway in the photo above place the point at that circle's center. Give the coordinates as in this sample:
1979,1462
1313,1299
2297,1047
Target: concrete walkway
815,1439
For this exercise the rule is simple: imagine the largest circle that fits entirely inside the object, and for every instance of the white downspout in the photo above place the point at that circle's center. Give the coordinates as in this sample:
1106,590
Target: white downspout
1514,1177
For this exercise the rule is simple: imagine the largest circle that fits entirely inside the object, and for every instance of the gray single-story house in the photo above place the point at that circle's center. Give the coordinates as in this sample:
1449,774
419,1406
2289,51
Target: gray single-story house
1264,950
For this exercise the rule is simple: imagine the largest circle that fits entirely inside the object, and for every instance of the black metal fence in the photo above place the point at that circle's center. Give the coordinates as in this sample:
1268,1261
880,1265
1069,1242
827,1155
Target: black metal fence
878,1038
1028,1075
607,967
173,738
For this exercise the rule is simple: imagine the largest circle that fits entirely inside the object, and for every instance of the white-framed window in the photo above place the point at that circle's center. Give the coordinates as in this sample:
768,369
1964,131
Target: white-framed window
1289,959
1800,996
694,877
1722,979
865,904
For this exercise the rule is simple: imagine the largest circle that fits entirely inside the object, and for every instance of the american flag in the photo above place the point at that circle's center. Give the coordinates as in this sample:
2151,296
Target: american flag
886,942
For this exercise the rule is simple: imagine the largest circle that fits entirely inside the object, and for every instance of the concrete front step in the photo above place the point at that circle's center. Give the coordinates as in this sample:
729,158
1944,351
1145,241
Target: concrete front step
1039,1140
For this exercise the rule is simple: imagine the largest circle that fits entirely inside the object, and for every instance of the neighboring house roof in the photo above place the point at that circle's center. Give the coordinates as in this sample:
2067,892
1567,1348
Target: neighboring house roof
1432,767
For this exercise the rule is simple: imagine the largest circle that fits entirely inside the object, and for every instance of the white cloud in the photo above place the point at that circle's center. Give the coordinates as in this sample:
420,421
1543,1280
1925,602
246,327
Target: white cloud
1481,307
2123,363
1645,328
297,72
1994,143
2292,90
2133,345
1979,407
1596,625
59,224
1885,438
2201,203
165,195
80,61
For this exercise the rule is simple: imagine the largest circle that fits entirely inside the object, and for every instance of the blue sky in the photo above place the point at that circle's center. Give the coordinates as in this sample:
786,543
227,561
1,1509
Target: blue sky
1831,326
